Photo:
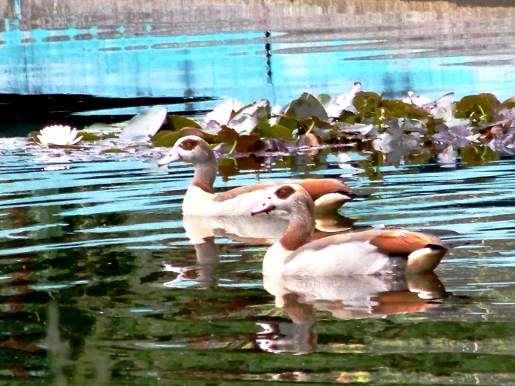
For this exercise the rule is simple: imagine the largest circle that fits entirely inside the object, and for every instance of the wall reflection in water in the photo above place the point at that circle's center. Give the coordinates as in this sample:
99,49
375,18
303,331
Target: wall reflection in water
390,46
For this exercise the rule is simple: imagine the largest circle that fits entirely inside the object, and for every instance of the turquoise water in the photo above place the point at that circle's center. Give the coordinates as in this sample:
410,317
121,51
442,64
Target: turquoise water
126,60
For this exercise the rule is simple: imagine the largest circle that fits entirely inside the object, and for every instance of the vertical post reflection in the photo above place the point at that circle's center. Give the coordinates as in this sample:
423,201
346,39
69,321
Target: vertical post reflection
57,348
268,54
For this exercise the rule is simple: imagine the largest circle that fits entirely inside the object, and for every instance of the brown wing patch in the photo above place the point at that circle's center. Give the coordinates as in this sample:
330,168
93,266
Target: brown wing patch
188,144
401,242
318,187
284,192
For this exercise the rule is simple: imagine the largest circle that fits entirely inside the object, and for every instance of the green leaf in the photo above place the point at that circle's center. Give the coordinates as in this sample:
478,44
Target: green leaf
113,150
290,123
227,167
509,103
347,117
176,122
275,131
478,155
90,137
399,109
249,143
366,102
324,99
166,138
307,106
479,108
226,135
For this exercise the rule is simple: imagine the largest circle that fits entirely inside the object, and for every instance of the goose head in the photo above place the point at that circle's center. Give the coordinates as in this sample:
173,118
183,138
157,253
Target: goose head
290,198
190,148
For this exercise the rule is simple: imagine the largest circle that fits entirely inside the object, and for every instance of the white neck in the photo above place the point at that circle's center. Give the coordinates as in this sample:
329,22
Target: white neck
274,259
197,201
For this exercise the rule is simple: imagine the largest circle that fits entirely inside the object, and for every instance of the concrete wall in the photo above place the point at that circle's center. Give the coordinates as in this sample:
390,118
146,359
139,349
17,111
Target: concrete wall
197,16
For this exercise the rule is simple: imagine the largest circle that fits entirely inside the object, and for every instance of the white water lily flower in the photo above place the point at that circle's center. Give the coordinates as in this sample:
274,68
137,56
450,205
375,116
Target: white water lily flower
61,135
222,113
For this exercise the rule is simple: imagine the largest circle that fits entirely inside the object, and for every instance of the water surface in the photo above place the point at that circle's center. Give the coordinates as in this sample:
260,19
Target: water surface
99,280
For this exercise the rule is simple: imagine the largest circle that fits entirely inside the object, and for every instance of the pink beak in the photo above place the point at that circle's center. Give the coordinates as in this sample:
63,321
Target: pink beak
264,206
172,156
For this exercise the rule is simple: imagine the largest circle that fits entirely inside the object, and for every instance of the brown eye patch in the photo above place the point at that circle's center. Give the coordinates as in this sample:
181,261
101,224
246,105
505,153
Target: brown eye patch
284,192
188,144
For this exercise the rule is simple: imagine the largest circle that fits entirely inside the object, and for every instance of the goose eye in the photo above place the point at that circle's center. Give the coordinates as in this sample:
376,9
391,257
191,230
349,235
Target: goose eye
284,192
188,144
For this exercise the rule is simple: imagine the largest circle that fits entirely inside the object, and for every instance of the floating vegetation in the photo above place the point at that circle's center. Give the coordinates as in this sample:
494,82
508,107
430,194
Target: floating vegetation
476,129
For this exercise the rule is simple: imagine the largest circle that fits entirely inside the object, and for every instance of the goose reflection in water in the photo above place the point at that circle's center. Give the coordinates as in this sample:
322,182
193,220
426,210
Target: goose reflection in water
350,297
258,230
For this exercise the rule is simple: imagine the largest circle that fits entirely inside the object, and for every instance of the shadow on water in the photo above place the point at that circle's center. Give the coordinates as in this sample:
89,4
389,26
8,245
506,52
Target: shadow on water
70,108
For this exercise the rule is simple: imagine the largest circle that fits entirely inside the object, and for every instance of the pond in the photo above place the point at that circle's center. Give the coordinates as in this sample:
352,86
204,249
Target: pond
104,281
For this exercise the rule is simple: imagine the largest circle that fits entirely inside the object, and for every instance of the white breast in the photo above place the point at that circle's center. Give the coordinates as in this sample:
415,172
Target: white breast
273,262
349,258
196,201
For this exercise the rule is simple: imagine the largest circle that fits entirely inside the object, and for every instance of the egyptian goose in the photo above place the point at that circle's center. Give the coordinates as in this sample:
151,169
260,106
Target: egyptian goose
200,199
373,251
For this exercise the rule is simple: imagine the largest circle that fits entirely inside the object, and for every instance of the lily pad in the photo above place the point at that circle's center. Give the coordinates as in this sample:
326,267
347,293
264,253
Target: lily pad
144,125
226,135
249,143
113,150
227,167
276,131
177,122
398,109
166,138
306,106
478,155
91,136
509,103
478,108
288,122
366,102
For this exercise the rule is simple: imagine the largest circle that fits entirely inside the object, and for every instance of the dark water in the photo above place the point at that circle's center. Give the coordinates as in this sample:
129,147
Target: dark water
102,281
